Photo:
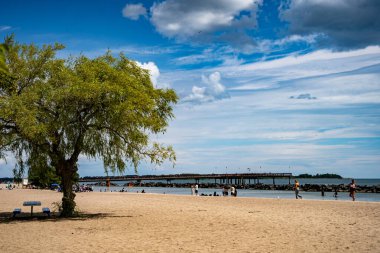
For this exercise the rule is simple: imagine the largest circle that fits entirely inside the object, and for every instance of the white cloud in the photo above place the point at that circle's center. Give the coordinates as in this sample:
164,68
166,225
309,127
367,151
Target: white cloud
214,90
220,55
153,71
282,72
314,59
199,95
268,46
181,19
213,80
134,11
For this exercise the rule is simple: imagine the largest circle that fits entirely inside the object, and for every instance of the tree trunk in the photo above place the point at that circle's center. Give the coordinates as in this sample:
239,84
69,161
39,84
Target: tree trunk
68,203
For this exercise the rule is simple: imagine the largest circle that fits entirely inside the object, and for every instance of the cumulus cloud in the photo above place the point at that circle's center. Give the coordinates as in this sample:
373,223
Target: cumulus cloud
201,19
346,23
179,18
213,91
134,11
153,71
213,80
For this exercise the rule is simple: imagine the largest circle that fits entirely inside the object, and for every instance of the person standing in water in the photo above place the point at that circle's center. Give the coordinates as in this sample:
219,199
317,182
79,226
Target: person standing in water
192,190
297,189
352,189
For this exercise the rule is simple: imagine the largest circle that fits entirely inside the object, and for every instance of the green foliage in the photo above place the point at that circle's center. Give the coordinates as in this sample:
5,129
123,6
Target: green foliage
17,175
3,51
43,177
53,110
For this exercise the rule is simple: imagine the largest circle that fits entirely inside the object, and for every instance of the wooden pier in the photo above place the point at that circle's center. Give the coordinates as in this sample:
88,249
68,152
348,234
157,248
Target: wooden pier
236,178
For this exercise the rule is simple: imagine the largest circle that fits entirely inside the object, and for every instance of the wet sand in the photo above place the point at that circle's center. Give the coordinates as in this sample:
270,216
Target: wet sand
131,222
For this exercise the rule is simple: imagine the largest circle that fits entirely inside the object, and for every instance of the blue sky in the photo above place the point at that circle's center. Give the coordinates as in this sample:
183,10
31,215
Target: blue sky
274,86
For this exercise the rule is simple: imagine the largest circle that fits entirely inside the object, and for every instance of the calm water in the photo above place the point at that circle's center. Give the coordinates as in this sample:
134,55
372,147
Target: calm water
373,197
281,181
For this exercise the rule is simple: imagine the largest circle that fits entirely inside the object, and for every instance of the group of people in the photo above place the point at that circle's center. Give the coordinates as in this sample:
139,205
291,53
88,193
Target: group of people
351,187
80,188
232,189
226,189
9,187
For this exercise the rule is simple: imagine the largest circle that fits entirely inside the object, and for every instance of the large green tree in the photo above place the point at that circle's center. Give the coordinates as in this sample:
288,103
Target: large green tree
54,110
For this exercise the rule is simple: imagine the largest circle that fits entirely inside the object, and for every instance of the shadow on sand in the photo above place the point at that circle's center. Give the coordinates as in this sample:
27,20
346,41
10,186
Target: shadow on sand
7,217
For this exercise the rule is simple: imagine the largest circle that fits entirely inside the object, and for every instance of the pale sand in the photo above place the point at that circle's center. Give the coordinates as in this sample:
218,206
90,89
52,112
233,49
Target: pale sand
130,222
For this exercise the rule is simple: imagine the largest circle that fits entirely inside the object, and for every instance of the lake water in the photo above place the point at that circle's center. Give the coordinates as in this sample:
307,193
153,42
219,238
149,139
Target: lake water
342,196
278,181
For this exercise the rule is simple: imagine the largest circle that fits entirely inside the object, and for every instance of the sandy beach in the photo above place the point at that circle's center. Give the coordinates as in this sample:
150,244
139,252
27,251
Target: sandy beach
131,222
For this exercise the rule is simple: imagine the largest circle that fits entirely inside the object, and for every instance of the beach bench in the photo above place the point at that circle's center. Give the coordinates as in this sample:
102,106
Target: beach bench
16,211
46,210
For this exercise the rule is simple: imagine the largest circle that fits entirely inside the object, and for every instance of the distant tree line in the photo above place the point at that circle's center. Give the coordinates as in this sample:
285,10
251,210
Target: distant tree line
6,179
326,175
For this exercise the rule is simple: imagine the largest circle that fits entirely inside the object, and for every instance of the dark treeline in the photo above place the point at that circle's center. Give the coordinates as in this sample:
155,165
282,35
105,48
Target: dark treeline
327,175
6,179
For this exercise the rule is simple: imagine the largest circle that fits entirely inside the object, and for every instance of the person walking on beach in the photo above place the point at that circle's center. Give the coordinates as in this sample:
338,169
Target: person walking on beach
297,189
196,189
352,189
232,191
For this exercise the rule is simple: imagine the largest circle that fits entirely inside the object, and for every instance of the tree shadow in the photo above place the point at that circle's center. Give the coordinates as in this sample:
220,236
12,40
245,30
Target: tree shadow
7,217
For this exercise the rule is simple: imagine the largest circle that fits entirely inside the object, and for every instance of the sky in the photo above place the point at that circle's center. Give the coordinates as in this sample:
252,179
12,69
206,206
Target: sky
264,85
